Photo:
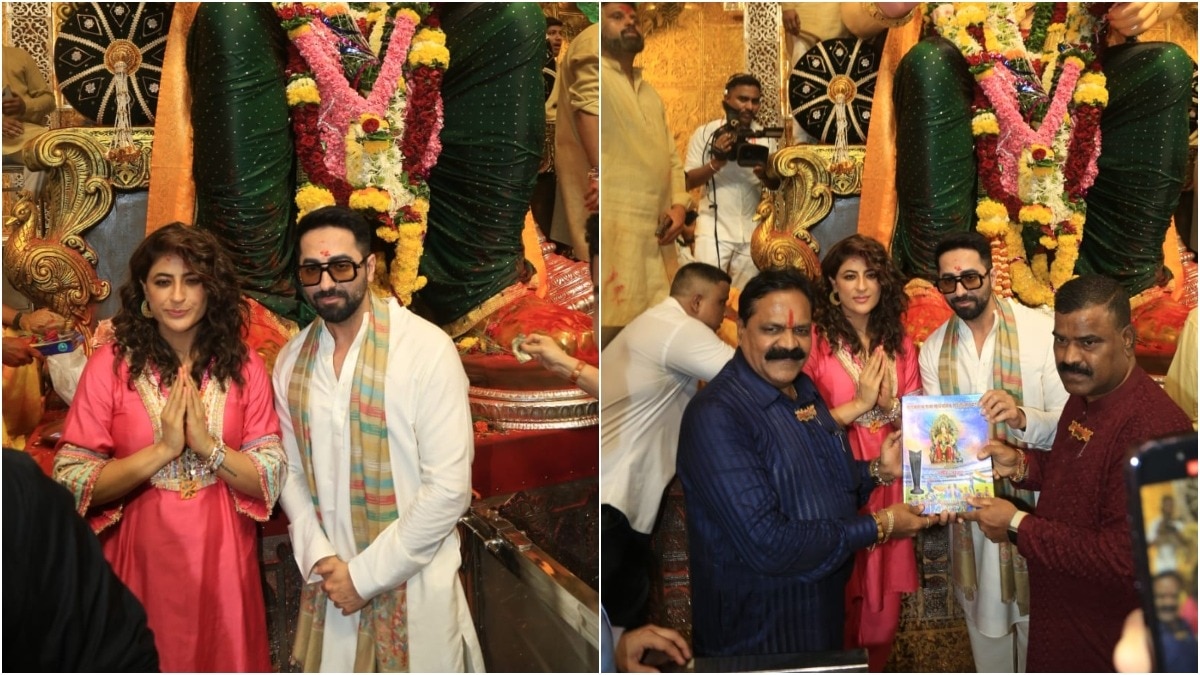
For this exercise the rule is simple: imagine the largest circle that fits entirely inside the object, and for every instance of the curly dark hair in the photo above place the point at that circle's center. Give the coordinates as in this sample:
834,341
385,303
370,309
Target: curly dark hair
219,336
883,326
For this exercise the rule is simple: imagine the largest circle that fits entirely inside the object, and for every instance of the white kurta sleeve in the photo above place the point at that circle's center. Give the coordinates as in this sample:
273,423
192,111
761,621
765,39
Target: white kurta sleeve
309,542
695,149
927,359
1041,424
446,447
696,351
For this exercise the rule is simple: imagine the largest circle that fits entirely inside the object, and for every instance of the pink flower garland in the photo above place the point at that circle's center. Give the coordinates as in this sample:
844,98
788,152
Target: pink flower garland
340,104
1000,87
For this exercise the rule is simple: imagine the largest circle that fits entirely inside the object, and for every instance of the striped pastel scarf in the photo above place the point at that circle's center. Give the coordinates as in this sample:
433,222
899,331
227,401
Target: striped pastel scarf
1006,375
382,625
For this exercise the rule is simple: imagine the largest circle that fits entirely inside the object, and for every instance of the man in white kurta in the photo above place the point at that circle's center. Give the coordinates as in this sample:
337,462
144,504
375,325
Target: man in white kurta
431,447
990,621
650,373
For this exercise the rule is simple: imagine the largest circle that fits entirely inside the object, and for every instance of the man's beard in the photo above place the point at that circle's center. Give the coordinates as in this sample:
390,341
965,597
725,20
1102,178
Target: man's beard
339,313
625,43
969,312
731,113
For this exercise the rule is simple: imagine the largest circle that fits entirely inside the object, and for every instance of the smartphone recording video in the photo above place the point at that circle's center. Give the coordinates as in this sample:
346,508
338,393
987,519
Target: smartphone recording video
1163,514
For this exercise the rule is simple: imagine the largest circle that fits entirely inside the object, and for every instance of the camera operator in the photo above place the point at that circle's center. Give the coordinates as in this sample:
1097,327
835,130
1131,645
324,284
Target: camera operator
731,191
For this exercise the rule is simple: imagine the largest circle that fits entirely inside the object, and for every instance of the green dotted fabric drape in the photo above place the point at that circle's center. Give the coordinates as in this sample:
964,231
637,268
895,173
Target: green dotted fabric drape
1143,159
935,154
492,144
1144,133
244,164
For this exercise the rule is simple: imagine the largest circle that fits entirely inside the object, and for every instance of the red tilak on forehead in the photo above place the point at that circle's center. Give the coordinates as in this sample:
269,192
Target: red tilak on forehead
325,252
958,268
791,320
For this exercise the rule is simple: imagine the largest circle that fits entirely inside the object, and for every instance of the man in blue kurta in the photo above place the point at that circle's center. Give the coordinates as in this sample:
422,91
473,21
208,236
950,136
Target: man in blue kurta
773,491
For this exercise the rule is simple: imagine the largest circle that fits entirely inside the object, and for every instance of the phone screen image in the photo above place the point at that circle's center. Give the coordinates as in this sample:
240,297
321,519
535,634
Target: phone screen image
1165,548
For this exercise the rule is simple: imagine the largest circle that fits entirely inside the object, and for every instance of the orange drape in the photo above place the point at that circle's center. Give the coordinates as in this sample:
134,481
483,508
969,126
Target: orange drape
172,195
877,208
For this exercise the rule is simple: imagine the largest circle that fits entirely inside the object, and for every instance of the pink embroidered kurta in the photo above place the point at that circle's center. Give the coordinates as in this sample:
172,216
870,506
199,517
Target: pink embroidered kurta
193,562
891,567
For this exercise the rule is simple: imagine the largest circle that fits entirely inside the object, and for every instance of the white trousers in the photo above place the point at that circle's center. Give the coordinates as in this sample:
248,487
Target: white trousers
996,654
733,258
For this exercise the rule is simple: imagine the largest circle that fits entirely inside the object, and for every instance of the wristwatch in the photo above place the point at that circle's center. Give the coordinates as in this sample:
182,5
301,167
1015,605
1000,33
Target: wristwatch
1014,524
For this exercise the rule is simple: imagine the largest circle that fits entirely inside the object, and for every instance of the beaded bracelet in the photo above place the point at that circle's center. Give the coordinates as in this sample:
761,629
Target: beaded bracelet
1022,467
874,469
217,457
878,531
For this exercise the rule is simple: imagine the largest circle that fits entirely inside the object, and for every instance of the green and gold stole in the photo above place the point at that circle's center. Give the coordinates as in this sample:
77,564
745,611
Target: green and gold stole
1006,375
383,622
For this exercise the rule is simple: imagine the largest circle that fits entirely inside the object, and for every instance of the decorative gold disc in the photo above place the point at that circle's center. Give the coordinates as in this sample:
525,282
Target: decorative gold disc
122,51
842,89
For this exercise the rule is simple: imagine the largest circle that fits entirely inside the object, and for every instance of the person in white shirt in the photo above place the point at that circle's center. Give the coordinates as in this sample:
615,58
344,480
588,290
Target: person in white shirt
650,373
1003,350
372,404
731,192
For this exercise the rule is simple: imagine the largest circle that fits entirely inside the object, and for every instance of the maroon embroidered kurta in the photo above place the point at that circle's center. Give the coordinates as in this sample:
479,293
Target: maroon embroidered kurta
1078,543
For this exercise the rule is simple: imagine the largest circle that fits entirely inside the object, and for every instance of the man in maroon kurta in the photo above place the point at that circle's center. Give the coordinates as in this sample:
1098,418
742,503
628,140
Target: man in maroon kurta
1077,541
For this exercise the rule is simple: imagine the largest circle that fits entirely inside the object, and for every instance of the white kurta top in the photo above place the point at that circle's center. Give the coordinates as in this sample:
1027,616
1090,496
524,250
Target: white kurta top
1043,398
431,448
649,375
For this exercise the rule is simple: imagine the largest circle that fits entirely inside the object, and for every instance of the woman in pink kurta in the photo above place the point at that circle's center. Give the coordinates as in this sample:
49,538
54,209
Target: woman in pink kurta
862,363
171,448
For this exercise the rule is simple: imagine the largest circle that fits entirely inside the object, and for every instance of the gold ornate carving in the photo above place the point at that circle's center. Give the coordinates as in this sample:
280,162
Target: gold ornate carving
51,263
804,198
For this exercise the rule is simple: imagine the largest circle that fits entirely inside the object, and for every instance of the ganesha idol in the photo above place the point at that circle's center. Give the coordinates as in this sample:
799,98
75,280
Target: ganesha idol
429,121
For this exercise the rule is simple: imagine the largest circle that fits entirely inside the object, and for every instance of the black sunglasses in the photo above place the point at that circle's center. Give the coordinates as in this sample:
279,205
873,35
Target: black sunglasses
339,270
970,281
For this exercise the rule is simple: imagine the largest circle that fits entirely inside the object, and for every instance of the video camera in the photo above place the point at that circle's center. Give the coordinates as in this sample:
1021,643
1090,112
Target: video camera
743,151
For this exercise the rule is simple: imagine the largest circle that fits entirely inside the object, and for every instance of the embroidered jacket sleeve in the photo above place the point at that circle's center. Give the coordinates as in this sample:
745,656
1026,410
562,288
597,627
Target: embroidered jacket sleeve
446,446
725,471
309,541
87,444
260,441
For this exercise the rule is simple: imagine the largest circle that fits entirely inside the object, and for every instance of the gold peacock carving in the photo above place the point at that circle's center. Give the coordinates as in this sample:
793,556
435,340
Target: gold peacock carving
47,258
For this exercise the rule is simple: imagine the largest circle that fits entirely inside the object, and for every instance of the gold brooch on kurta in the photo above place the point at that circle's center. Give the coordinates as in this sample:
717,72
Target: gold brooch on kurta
1079,432
806,414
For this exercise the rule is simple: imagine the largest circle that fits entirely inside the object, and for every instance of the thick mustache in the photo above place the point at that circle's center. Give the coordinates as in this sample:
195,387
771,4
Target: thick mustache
781,354
331,293
1076,368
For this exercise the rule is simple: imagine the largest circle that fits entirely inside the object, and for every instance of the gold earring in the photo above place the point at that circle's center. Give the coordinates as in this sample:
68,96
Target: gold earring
833,298
146,310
